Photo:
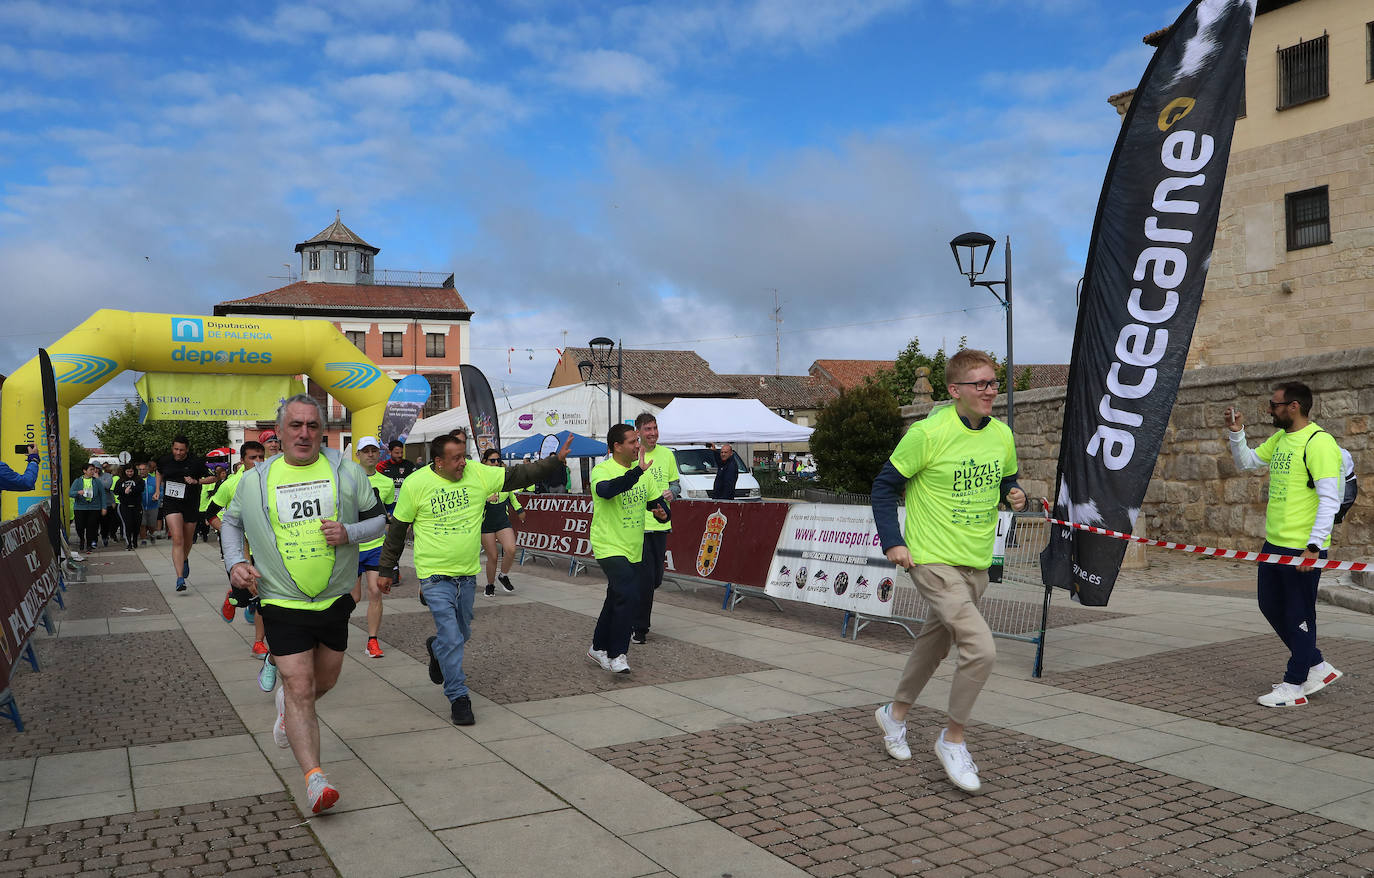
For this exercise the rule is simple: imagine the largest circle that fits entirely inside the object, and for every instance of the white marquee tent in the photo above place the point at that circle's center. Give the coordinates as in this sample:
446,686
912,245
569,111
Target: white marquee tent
694,421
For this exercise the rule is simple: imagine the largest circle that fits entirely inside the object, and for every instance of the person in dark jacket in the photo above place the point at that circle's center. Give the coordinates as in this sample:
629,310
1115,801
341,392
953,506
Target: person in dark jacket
128,493
727,471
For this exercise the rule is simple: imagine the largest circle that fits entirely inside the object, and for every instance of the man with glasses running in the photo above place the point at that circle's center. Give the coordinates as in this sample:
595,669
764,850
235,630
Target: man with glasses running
953,468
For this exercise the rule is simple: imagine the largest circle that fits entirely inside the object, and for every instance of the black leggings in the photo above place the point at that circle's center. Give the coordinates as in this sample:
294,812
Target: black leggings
132,518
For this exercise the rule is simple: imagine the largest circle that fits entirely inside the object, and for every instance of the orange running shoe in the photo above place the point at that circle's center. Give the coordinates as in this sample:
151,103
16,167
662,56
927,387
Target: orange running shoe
374,649
259,648
227,611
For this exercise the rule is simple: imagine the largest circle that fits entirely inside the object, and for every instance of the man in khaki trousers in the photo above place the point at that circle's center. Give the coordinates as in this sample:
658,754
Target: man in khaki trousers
953,468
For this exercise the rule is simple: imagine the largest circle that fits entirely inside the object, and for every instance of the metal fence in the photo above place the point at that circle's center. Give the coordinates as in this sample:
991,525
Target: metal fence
1017,608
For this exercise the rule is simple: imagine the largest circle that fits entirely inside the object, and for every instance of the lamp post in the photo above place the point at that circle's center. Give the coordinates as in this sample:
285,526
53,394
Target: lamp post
601,352
971,243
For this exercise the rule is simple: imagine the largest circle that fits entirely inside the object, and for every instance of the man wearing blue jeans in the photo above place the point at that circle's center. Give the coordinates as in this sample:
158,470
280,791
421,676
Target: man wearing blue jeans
445,502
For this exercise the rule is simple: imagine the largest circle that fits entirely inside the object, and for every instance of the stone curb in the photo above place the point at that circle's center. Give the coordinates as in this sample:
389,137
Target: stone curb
1347,596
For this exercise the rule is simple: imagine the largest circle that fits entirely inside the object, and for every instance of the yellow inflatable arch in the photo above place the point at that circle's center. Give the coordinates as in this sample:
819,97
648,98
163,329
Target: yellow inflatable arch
109,342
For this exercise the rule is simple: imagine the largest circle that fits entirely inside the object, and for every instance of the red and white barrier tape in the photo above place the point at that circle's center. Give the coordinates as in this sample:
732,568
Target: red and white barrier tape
1232,554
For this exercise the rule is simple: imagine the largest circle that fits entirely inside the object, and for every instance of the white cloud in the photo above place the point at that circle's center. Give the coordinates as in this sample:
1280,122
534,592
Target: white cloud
607,71
443,46
54,20
289,23
362,48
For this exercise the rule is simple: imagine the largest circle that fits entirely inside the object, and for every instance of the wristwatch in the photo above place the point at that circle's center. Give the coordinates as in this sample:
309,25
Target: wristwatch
1313,547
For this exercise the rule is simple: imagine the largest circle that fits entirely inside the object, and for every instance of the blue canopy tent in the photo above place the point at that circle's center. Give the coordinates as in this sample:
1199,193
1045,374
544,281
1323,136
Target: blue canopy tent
582,446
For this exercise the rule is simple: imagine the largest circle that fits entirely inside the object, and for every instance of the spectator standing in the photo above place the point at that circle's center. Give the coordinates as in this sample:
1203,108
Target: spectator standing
148,532
1304,466
727,471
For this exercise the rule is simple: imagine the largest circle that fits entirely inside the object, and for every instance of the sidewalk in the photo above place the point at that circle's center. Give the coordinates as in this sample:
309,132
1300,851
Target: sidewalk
742,744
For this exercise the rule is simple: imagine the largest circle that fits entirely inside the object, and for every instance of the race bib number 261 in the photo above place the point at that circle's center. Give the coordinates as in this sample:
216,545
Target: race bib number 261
304,501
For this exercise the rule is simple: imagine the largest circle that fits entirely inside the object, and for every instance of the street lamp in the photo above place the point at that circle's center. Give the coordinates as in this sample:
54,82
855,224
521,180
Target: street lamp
967,248
601,352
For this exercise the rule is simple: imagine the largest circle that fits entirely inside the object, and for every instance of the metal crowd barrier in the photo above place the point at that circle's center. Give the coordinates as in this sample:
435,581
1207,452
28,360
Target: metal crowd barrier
1017,608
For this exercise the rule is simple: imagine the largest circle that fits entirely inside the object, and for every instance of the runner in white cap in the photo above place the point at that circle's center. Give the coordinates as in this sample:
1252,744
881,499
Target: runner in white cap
369,451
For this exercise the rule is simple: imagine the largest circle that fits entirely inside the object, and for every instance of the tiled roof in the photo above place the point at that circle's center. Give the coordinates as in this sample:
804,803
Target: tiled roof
847,374
350,298
783,391
338,233
646,372
1045,374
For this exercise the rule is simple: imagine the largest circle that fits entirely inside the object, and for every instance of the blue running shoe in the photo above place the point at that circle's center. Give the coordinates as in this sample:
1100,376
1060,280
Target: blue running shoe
181,584
186,567
267,677
248,614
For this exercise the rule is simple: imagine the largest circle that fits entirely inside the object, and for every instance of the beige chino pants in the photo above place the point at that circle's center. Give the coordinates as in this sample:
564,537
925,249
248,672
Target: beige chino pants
952,593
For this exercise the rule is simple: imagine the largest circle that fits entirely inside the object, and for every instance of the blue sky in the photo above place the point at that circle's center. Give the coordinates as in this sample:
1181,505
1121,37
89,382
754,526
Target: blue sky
650,171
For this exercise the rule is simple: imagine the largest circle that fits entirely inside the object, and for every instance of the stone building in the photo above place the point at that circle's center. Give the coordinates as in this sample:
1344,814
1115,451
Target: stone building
407,322
1292,271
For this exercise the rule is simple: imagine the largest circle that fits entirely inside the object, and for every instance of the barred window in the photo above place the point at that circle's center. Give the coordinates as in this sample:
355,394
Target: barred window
340,260
359,339
440,395
314,260
1308,218
365,263
392,345
1302,72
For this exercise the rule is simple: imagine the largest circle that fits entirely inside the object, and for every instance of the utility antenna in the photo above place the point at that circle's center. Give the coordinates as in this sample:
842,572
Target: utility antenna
777,335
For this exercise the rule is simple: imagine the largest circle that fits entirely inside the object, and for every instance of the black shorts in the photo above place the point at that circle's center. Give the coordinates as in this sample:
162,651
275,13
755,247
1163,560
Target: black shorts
291,631
495,518
190,513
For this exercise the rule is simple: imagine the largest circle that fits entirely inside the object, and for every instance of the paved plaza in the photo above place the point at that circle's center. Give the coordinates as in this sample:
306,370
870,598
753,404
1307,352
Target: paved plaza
743,743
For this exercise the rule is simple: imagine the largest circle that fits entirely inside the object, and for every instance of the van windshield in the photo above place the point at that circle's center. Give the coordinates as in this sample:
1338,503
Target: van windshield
700,461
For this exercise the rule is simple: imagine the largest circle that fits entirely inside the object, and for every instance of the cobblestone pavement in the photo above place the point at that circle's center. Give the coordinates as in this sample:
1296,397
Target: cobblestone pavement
819,791
530,652
115,690
255,836
1219,683
100,600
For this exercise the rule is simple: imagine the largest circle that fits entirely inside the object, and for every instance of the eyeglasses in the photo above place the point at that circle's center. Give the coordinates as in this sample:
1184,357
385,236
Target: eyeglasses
1277,405
495,458
979,386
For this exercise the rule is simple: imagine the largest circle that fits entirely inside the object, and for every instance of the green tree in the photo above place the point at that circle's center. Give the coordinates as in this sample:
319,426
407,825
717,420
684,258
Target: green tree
900,378
77,456
855,434
121,431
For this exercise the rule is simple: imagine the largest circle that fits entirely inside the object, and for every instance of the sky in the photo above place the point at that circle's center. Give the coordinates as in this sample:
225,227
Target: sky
656,172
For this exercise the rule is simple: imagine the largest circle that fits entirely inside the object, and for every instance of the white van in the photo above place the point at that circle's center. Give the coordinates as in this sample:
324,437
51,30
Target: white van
697,468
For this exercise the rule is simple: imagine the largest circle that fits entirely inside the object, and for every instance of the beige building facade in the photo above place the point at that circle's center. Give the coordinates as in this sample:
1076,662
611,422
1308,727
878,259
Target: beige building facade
1292,271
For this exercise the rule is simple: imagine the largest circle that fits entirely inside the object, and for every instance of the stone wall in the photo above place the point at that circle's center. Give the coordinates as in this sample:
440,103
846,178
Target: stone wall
1197,495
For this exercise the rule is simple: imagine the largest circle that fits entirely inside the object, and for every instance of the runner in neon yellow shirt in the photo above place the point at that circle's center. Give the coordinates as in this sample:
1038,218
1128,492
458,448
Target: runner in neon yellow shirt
621,494
954,467
251,454
1304,466
305,512
369,452
445,503
664,480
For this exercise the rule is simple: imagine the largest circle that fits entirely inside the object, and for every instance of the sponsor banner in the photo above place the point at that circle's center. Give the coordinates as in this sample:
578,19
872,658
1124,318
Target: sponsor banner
1147,263
481,407
28,580
50,448
830,555
403,409
721,541
169,396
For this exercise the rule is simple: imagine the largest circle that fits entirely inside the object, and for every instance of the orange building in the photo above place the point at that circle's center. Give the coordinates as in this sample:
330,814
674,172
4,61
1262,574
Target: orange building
407,322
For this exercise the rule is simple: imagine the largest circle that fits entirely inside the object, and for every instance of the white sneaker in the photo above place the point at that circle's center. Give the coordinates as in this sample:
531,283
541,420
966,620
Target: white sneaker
1284,695
599,657
619,665
1319,677
958,764
279,727
894,733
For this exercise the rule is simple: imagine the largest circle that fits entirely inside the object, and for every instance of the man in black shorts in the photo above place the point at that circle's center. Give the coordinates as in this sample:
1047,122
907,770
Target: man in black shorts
304,512
182,475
